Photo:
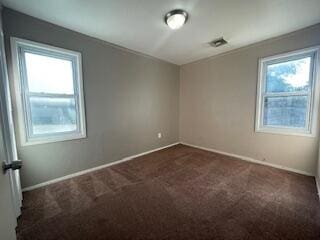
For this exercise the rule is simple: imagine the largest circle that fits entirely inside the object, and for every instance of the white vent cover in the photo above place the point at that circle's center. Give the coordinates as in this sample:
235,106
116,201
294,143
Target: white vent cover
218,42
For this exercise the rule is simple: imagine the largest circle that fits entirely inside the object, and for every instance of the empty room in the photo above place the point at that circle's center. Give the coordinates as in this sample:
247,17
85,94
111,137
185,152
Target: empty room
149,119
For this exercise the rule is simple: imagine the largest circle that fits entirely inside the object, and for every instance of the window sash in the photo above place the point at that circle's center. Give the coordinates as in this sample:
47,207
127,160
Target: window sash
44,52
29,116
51,95
22,50
308,93
27,94
287,94
262,94
286,127
19,48
288,59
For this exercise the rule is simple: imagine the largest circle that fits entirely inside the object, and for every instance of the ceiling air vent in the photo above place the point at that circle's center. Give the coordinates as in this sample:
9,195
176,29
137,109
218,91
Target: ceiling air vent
218,42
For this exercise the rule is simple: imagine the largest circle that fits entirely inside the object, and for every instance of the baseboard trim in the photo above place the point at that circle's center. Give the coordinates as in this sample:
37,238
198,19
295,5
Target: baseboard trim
249,159
318,185
94,168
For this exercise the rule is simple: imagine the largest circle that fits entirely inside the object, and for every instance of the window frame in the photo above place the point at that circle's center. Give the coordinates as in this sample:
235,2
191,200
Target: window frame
22,95
310,130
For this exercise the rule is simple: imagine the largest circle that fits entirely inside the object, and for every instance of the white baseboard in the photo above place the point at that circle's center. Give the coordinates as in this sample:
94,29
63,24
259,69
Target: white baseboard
94,168
318,185
249,159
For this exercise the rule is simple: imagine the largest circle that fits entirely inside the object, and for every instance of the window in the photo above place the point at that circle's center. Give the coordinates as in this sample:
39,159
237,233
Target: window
287,100
48,84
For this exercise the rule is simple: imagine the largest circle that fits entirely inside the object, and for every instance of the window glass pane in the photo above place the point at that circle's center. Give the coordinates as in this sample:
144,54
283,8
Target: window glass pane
49,74
53,115
285,111
289,76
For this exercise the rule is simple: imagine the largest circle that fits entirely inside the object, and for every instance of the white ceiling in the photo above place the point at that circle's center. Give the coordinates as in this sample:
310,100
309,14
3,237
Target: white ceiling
139,25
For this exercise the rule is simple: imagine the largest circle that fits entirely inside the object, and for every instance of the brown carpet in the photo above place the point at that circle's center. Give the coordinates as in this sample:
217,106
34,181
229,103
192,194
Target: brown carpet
177,193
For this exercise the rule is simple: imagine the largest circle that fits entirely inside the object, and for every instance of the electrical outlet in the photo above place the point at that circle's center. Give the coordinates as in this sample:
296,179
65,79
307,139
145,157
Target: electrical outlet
159,135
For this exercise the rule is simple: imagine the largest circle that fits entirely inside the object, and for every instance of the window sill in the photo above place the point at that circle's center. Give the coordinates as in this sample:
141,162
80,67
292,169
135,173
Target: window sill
53,139
279,131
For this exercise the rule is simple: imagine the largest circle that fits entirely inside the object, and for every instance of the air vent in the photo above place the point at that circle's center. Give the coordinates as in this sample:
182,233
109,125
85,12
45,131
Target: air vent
218,42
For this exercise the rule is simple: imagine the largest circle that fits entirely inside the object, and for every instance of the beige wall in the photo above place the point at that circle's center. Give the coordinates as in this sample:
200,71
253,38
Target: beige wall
217,105
129,98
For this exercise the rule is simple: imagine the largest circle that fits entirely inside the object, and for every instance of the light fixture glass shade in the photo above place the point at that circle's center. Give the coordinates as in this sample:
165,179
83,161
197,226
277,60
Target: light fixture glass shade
176,19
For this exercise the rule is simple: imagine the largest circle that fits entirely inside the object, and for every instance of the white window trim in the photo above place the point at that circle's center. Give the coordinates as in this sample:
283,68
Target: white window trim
18,93
314,97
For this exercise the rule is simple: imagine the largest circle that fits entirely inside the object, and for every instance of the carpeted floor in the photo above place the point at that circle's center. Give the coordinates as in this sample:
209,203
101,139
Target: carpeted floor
177,193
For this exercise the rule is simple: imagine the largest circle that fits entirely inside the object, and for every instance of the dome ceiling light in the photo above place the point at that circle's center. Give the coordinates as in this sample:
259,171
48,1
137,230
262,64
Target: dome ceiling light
175,19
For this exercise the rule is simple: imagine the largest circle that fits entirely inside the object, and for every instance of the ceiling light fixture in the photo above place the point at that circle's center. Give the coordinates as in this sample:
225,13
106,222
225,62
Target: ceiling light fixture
175,19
